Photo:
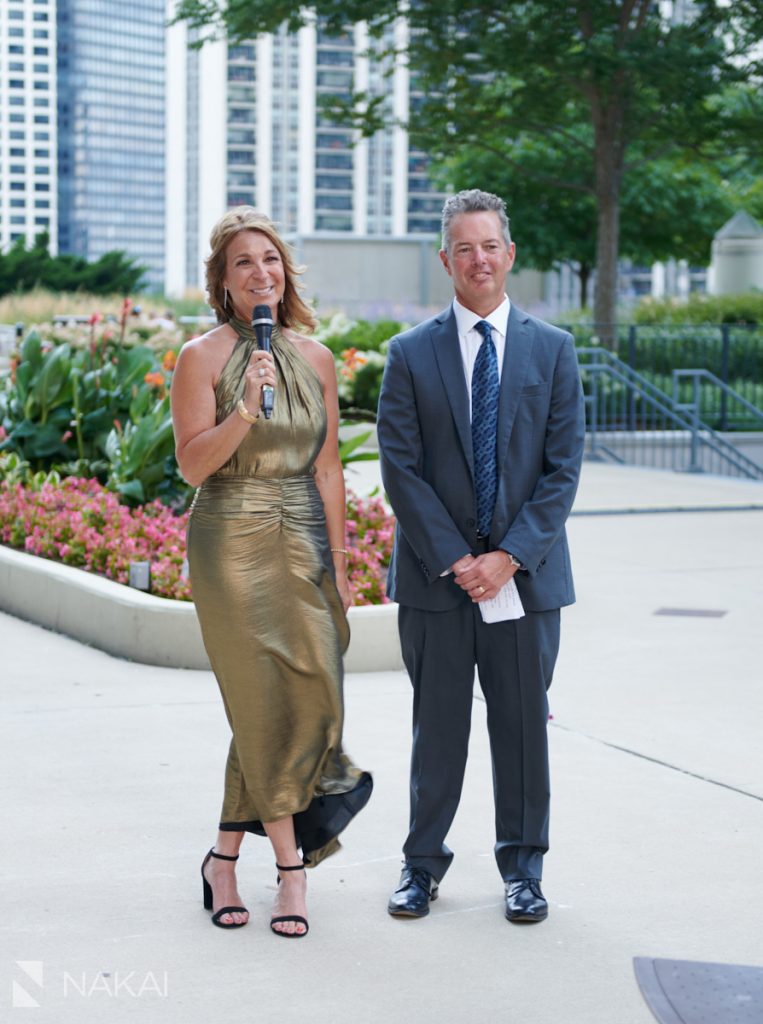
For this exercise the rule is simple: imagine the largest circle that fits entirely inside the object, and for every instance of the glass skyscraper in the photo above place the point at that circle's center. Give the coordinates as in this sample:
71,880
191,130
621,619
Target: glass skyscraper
111,130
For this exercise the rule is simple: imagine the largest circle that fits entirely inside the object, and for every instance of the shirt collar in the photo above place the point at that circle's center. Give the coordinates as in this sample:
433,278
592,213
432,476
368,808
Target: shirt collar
466,319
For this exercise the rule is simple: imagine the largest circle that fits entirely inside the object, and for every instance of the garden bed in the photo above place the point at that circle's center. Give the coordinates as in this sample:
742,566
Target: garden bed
151,630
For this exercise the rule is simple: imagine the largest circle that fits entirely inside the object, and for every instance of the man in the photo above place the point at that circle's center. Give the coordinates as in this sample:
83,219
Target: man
481,431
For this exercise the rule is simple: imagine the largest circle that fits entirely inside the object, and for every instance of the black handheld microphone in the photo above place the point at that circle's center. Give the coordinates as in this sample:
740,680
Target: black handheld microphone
262,322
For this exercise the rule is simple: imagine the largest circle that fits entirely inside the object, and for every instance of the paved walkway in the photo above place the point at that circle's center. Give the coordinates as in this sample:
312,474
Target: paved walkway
111,783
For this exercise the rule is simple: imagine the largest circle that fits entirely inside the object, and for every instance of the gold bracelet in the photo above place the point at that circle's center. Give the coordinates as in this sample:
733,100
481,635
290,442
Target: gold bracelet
340,551
244,413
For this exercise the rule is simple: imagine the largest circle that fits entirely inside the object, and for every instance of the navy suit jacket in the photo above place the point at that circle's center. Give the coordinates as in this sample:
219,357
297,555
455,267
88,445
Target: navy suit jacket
427,465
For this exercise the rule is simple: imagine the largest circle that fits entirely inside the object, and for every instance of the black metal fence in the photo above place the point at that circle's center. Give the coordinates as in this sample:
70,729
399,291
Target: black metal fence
732,353
631,420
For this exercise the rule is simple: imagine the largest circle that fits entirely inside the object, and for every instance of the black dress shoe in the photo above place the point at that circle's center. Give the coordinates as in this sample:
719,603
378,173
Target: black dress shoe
525,903
413,894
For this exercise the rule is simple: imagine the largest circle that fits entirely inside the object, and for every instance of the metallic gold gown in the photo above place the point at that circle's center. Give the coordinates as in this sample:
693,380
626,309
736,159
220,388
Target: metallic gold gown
271,617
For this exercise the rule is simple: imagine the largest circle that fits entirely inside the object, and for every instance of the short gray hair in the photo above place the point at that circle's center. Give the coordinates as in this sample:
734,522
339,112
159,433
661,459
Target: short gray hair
473,200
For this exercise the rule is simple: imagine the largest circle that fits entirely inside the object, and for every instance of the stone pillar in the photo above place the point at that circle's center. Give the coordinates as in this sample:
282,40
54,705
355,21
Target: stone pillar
737,264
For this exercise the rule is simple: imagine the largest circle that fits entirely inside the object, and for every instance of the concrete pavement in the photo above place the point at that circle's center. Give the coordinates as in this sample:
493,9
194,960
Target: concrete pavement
112,777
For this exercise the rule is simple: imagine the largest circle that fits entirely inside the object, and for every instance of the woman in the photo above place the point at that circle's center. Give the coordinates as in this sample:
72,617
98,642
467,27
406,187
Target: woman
268,566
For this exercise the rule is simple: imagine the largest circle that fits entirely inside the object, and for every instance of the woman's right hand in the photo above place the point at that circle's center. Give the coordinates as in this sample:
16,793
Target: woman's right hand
261,370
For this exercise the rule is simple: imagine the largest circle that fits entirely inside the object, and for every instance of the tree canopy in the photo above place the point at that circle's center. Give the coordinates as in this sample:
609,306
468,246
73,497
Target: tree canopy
609,86
22,269
670,208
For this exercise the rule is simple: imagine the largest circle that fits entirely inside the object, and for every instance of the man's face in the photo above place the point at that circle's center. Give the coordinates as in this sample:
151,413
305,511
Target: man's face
478,260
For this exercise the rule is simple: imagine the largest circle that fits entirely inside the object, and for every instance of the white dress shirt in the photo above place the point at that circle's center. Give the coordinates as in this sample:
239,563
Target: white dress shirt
470,339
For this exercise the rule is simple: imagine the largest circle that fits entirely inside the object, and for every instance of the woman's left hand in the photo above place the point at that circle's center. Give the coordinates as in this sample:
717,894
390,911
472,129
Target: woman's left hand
343,586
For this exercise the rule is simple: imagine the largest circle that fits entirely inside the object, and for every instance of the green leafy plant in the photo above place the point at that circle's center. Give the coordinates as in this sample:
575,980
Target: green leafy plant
98,411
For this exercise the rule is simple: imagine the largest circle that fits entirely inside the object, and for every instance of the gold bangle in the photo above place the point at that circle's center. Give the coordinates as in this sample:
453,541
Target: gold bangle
340,551
244,413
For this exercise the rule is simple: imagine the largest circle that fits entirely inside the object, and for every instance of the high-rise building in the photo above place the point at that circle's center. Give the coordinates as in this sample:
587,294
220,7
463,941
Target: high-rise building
28,198
251,127
111,130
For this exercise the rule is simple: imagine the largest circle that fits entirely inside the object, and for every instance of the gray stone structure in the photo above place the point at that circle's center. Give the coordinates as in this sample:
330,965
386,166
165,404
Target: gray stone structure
737,264
379,276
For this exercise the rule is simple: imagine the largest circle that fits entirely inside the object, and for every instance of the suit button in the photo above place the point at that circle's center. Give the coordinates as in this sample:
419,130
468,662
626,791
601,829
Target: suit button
470,522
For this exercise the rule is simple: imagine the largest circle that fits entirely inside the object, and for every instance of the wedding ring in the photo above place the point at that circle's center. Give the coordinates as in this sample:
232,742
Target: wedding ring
482,590
261,372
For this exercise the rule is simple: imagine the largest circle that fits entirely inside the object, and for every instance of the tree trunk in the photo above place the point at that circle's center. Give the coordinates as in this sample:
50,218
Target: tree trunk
584,274
607,249
609,175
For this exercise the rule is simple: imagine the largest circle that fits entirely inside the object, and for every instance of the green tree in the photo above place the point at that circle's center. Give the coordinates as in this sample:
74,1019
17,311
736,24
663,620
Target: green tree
669,207
617,83
22,269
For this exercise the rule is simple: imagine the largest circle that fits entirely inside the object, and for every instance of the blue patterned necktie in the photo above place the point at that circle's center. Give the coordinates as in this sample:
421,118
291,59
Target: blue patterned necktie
485,390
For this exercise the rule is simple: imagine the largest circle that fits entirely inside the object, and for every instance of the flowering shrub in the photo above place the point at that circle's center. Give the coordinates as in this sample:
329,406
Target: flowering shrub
370,530
80,523
359,376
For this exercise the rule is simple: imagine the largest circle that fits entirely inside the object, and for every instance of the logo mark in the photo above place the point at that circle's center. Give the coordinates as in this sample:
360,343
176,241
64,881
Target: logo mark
22,995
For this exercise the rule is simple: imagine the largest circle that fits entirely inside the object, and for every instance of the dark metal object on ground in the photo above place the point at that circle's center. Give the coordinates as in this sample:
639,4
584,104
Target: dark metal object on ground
691,992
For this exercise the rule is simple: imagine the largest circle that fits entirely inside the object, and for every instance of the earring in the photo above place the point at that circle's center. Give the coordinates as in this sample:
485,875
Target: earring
225,300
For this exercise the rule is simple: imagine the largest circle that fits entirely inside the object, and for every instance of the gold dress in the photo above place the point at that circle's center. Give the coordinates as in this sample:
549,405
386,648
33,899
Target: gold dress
271,617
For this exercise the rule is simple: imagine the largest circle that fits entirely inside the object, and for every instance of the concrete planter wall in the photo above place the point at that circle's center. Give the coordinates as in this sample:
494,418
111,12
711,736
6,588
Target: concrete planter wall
153,630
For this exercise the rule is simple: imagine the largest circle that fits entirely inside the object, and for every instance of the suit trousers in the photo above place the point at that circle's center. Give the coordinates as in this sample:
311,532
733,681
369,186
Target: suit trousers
515,663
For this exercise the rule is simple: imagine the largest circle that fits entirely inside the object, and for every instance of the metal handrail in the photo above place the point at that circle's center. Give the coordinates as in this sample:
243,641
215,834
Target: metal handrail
701,434
716,382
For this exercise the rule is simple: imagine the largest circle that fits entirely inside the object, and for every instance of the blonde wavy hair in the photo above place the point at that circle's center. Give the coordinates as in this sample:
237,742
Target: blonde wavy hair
293,311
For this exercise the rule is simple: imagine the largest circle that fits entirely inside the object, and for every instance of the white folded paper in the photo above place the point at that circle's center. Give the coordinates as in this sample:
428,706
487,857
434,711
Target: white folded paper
506,604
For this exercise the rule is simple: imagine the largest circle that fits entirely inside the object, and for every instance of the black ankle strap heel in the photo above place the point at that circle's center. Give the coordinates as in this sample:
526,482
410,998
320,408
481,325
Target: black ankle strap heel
289,917
209,899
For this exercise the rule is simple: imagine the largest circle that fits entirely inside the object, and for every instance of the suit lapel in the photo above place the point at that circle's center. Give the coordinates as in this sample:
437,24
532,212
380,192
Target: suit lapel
516,360
447,353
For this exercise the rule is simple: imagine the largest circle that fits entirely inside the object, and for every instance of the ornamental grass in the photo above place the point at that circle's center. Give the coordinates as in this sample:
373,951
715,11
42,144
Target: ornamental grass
79,523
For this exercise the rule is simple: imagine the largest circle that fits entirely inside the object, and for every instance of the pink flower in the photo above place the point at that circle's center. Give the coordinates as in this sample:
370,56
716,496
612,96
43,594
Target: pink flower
82,524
